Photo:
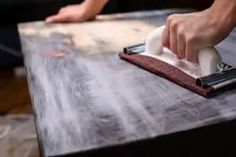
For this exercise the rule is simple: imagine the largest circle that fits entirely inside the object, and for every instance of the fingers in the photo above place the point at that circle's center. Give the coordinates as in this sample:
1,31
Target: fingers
181,45
69,8
62,10
75,13
59,18
170,36
178,39
173,40
165,37
191,54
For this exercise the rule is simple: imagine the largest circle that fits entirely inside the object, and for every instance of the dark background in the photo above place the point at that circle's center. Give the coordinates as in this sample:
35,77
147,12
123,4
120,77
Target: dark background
15,11
27,10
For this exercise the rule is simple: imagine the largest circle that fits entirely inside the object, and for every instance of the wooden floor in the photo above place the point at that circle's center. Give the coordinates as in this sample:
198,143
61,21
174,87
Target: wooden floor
14,94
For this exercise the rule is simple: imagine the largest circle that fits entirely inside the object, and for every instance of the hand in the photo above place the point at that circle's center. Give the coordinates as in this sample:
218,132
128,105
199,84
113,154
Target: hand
78,13
186,34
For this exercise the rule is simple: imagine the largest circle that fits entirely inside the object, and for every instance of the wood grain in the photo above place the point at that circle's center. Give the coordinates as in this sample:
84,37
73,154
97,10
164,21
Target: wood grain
84,97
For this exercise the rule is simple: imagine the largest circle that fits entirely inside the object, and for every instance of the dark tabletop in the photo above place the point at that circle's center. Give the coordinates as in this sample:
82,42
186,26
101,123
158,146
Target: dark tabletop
85,98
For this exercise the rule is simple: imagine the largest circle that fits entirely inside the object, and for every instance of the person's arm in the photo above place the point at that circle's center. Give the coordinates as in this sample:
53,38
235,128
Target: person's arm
87,10
186,34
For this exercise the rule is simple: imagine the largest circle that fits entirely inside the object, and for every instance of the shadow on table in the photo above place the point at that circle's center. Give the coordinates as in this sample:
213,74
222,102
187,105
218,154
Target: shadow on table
207,141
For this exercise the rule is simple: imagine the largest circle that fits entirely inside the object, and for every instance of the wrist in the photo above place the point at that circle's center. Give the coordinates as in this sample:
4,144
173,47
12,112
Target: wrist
94,6
96,3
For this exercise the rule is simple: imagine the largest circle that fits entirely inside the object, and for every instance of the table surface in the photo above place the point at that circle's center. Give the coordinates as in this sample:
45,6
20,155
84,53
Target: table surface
87,98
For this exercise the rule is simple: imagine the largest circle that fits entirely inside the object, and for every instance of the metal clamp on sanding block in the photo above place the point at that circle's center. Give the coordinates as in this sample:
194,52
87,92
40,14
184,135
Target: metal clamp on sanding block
134,49
223,78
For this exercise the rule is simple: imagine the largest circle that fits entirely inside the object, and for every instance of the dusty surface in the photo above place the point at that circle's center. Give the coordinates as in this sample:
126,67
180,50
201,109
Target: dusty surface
87,98
168,71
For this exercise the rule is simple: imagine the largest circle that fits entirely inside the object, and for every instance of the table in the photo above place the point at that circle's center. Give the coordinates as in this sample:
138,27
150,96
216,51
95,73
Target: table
85,98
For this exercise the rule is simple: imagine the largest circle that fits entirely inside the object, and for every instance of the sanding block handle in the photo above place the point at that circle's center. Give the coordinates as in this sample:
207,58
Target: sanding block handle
208,58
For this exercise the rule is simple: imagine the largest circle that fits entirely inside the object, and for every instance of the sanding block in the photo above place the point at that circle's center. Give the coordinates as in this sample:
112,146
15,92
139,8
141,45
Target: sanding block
207,78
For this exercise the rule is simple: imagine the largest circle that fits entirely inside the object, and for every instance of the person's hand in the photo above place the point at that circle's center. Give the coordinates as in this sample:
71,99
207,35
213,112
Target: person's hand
78,13
186,34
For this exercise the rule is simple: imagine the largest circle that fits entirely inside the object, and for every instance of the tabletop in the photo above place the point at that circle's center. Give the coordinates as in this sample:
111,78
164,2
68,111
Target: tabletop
85,98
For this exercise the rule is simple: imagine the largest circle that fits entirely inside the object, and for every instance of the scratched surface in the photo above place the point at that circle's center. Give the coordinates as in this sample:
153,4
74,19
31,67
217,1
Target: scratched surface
85,97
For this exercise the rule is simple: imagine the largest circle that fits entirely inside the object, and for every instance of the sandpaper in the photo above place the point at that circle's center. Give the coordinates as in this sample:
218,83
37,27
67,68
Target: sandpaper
167,71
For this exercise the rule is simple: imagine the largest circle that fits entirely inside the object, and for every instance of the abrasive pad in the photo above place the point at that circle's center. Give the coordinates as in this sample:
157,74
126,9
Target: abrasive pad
167,71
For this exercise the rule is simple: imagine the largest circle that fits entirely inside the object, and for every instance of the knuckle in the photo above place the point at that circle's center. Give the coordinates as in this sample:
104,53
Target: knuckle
174,23
190,38
181,32
171,18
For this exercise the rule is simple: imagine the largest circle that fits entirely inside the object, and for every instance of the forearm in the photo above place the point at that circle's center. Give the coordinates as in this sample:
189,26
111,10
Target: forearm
225,11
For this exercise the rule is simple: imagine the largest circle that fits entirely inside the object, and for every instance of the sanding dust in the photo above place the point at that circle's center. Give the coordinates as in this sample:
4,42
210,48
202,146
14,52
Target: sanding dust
4,131
183,65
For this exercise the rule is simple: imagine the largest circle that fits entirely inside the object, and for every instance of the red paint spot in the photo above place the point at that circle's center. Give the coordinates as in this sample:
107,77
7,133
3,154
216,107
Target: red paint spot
56,54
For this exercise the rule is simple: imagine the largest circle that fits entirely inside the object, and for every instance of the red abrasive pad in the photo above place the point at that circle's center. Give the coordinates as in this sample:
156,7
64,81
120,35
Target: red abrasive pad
167,71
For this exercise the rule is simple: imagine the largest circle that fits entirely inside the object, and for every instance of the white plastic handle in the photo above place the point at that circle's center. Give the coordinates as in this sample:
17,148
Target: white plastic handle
208,58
